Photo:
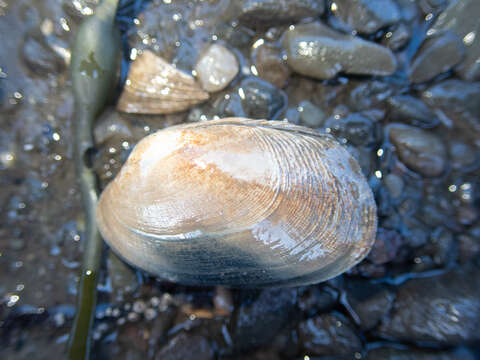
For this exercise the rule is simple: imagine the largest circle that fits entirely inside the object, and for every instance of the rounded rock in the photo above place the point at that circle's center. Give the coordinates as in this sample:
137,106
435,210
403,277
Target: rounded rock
216,68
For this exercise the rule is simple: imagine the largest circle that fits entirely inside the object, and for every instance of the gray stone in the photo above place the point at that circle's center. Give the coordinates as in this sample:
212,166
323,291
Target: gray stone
442,309
461,17
419,150
436,55
266,13
410,110
311,115
329,335
316,50
366,16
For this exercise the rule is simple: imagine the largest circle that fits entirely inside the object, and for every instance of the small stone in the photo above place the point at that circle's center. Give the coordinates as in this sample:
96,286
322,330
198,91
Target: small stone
316,50
397,38
410,110
311,115
442,309
258,322
356,128
436,55
419,150
256,99
186,346
366,16
369,303
395,185
216,68
270,65
461,17
266,13
329,335
39,56
463,156
394,353
386,246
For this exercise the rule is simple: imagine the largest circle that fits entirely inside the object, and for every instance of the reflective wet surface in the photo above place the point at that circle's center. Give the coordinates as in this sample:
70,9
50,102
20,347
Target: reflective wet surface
414,129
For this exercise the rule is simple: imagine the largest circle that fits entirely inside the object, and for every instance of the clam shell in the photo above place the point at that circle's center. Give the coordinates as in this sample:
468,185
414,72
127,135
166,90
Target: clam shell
241,203
154,86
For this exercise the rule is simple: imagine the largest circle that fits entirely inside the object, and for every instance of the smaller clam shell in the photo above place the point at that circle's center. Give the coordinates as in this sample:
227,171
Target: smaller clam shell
154,86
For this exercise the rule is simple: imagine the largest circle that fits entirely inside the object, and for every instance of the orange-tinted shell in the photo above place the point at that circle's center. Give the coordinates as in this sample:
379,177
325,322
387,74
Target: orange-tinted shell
242,203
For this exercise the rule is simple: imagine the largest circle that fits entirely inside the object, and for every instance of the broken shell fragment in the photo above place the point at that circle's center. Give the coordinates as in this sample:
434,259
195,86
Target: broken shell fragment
154,86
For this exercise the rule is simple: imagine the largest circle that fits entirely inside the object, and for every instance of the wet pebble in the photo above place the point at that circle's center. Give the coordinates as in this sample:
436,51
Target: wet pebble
256,99
403,353
316,299
356,128
368,303
461,17
386,247
216,68
436,55
441,309
186,346
39,56
395,185
259,321
419,150
397,38
265,13
410,110
329,335
366,16
464,157
316,50
270,65
311,115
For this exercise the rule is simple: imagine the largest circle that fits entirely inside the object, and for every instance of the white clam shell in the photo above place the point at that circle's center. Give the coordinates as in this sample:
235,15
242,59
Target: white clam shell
242,203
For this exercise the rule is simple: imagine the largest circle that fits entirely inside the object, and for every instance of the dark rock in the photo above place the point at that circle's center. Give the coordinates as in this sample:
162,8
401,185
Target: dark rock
383,353
436,55
442,309
397,38
258,322
469,245
410,110
432,6
368,94
256,99
461,17
315,299
186,346
464,157
369,303
355,128
440,248
395,185
316,50
366,16
457,102
311,115
39,56
237,36
265,13
419,150
454,95
329,335
270,65
386,246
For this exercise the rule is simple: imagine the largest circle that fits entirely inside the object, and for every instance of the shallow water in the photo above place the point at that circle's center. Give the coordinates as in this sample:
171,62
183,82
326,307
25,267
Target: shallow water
416,294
